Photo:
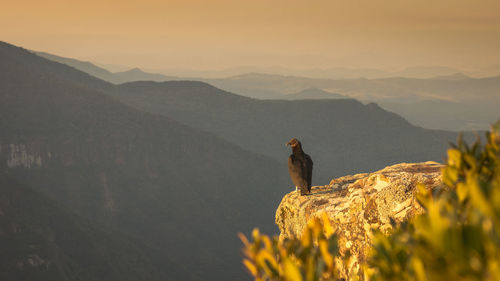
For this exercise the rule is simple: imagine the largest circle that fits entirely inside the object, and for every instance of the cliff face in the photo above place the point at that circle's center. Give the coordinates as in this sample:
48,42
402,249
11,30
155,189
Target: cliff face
356,204
43,240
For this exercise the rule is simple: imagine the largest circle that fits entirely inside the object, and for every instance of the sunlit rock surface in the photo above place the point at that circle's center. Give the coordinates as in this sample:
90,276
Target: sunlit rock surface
357,203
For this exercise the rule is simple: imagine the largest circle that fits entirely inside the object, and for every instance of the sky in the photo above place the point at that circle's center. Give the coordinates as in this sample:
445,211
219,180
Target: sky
220,34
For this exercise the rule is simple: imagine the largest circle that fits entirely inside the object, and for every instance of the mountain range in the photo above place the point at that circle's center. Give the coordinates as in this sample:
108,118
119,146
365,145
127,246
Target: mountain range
133,74
419,71
182,192
313,93
459,103
342,136
390,89
431,97
171,170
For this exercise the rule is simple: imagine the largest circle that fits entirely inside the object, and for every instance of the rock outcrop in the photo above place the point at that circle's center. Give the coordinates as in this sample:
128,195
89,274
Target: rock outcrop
358,203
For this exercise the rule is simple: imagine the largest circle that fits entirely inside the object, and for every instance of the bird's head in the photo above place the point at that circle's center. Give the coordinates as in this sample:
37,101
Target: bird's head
293,143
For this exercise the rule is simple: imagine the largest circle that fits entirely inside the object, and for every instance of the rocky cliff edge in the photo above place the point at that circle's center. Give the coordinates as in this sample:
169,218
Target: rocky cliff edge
358,203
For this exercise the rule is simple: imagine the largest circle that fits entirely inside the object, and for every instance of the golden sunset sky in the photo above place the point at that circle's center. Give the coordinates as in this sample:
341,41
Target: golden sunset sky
217,34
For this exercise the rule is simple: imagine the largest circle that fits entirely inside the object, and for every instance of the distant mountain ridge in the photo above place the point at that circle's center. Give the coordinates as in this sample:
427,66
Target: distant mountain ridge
460,88
454,76
473,102
84,66
424,72
442,83
313,93
342,136
134,74
319,73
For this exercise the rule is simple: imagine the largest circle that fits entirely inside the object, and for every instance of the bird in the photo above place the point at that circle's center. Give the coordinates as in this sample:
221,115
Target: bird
300,166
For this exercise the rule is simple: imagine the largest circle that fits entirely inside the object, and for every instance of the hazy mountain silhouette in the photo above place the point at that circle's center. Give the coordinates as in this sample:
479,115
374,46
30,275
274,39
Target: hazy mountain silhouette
183,192
246,85
389,89
373,73
449,102
84,66
457,91
454,76
137,74
423,72
313,93
456,116
342,73
43,240
342,136
322,73
134,74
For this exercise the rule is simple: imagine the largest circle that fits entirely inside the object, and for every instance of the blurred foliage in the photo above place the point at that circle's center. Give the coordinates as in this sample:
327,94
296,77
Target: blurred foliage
310,257
457,238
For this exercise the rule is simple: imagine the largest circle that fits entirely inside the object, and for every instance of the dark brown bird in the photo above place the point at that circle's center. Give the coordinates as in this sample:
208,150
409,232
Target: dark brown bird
300,166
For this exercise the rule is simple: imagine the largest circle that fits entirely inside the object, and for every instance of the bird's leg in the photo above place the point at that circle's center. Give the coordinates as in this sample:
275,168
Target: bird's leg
296,188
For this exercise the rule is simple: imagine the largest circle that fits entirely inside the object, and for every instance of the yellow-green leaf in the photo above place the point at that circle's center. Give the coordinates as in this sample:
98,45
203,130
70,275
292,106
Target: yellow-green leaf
250,266
418,267
291,271
306,238
327,226
323,247
255,234
454,157
462,191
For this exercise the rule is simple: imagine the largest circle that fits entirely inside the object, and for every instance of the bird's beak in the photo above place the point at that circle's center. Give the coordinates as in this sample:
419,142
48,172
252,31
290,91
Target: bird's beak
287,144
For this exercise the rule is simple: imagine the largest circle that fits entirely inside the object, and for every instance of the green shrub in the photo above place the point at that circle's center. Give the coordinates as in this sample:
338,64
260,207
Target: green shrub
457,238
311,257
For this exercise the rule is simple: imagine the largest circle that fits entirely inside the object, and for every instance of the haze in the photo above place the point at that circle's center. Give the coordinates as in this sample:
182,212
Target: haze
220,34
